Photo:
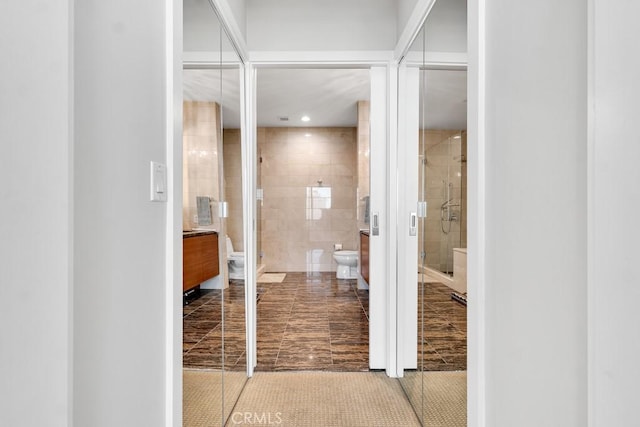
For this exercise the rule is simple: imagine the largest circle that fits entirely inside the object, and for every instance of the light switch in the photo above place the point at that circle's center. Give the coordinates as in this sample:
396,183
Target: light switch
158,182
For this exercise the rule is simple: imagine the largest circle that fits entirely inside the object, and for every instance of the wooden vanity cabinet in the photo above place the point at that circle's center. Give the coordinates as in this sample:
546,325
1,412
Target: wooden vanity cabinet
200,259
364,255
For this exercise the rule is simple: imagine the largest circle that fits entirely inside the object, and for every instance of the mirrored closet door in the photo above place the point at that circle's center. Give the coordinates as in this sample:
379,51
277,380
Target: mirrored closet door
214,332
435,378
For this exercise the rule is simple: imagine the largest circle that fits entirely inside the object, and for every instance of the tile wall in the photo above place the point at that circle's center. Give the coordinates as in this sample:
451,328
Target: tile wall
303,218
363,162
232,155
200,159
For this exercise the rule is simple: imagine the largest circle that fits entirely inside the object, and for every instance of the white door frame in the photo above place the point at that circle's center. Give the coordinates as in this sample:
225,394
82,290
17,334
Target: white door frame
382,336
408,131
476,237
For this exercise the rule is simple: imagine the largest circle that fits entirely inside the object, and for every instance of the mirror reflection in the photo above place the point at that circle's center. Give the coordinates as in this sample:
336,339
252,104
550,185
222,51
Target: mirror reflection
214,334
437,388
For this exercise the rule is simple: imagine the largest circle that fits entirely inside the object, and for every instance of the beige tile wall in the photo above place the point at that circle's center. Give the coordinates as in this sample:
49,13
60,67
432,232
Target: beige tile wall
261,132
200,159
299,228
233,185
363,162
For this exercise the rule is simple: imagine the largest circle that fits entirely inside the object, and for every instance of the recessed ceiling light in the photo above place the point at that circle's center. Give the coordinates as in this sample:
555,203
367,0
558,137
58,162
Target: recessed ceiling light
307,135
305,118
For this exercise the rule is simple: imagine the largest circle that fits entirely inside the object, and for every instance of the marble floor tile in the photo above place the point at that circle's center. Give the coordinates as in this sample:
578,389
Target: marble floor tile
315,300
313,321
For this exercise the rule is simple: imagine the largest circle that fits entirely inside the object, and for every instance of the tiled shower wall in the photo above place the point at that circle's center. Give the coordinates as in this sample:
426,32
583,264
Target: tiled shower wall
232,155
445,163
200,159
363,162
300,223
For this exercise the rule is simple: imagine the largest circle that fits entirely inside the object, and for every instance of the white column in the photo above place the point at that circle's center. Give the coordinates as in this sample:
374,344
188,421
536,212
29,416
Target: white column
378,244
120,237
614,202
36,157
534,131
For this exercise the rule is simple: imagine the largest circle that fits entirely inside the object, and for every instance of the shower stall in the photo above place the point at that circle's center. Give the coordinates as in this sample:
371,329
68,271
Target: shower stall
443,173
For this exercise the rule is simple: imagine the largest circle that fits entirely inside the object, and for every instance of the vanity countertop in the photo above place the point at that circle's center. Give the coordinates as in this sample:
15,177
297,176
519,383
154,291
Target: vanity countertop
193,233
365,232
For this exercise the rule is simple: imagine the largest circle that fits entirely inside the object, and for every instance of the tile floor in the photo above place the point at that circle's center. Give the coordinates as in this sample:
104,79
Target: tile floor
444,347
313,321
202,330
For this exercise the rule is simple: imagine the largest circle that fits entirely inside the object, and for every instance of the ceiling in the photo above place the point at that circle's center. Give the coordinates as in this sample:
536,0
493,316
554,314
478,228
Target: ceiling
445,100
327,96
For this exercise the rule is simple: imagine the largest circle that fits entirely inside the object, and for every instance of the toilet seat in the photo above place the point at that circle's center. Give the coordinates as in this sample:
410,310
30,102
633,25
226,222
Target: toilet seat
346,253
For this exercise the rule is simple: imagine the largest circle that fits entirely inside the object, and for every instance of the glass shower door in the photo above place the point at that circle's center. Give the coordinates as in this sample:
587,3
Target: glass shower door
442,189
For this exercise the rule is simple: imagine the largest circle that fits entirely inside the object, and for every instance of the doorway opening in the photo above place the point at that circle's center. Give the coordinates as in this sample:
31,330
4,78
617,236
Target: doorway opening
313,202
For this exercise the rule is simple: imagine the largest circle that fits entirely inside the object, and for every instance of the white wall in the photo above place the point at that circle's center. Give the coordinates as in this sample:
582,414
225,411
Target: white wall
331,25
35,204
201,27
536,213
614,204
447,26
119,253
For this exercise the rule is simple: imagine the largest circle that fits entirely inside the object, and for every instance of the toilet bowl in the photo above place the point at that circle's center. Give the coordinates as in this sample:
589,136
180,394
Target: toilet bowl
347,264
235,261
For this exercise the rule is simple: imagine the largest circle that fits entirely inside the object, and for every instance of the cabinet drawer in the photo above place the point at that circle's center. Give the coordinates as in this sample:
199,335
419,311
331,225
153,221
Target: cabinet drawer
210,259
191,264
364,257
200,260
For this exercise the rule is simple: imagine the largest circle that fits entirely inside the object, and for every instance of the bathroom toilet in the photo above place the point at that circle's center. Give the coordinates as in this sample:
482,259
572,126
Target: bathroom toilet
347,264
235,260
